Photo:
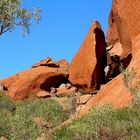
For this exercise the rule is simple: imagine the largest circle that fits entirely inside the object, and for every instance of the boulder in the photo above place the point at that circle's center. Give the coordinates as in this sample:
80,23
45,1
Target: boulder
64,91
43,94
48,62
43,62
53,90
124,24
87,66
31,81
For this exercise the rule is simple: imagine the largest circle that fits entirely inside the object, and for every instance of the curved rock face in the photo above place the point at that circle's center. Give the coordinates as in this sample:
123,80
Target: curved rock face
124,25
21,85
87,66
118,28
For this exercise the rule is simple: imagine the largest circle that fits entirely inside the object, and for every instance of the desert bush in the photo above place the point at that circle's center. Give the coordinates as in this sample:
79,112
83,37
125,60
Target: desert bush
4,123
23,128
23,124
107,123
103,123
70,105
7,103
47,110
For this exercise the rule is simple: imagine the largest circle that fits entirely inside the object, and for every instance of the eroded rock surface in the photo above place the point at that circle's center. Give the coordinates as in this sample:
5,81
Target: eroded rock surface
31,81
87,66
124,26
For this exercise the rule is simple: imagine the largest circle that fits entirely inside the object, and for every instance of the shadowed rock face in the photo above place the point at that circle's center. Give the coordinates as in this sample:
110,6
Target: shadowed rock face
87,66
98,74
124,26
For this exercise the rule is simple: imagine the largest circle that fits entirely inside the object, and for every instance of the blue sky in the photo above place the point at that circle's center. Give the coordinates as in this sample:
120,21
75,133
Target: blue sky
59,34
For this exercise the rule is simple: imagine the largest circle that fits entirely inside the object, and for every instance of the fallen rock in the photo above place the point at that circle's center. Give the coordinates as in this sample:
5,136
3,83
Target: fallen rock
62,86
48,62
53,90
63,64
43,94
31,81
68,85
87,66
64,91
43,62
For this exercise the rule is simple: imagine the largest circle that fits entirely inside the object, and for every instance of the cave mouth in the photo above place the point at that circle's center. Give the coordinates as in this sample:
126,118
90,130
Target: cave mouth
54,81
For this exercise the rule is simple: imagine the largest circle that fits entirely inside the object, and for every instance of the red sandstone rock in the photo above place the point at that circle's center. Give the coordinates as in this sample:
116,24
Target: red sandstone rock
63,64
52,90
125,26
30,81
87,66
63,91
48,62
43,94
43,62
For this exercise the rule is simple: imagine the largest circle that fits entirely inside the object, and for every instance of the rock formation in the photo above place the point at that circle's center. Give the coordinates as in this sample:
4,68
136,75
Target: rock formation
87,66
42,76
124,27
48,78
50,63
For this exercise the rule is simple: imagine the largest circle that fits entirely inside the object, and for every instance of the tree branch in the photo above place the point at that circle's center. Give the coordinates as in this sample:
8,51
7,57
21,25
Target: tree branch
6,30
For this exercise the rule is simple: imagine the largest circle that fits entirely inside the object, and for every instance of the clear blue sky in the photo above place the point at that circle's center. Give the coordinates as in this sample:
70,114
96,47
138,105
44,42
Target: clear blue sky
59,35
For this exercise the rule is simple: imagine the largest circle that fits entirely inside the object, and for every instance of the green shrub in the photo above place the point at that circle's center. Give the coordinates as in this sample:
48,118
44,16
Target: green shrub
6,103
103,123
23,128
23,124
4,123
70,105
49,111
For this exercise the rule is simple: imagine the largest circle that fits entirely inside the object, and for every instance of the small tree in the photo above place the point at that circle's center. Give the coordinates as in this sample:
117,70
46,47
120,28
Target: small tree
12,14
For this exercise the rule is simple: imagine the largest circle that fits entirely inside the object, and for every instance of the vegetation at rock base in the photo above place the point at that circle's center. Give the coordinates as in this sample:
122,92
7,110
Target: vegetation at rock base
44,118
31,119
105,122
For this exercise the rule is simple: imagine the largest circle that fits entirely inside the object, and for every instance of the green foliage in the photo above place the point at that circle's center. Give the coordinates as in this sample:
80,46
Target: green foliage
70,105
7,104
41,117
49,109
23,127
4,123
128,76
31,119
12,14
103,123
